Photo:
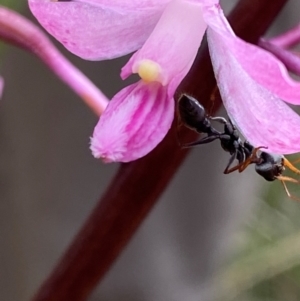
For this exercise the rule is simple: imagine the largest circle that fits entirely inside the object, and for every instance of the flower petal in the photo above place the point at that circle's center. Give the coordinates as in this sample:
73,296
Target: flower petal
135,121
126,4
1,86
174,42
96,32
262,117
261,65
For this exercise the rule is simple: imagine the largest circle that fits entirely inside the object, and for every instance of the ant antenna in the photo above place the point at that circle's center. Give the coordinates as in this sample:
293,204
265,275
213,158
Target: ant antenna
179,124
283,179
289,165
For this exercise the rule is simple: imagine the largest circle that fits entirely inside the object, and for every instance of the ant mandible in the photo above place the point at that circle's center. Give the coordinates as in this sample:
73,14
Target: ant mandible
193,115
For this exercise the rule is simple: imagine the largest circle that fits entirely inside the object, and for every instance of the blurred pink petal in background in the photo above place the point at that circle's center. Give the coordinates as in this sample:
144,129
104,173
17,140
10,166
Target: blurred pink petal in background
1,86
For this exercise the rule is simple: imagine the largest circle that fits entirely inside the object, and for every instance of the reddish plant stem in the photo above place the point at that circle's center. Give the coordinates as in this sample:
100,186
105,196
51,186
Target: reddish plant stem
137,185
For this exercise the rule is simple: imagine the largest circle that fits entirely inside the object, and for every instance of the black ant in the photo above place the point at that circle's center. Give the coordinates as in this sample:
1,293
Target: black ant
193,115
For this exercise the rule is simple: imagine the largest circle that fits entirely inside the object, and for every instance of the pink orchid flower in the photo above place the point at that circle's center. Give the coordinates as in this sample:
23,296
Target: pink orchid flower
170,33
146,108
252,84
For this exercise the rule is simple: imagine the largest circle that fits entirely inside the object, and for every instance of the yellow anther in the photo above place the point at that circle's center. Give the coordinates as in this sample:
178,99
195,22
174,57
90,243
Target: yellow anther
149,71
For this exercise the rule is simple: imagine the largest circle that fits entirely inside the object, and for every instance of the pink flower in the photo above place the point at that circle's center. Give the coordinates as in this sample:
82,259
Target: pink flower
139,117
170,32
252,84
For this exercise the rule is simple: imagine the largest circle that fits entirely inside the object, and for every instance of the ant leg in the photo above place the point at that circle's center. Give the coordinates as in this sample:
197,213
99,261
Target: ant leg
213,97
204,140
232,158
230,170
245,163
219,119
178,126
289,165
214,93
238,167
284,179
253,158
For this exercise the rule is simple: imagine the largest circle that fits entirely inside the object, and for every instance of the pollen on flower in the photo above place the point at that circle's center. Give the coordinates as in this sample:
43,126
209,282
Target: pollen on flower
149,71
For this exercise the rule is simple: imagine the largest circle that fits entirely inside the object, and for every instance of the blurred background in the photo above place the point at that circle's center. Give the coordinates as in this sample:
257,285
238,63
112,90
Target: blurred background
210,237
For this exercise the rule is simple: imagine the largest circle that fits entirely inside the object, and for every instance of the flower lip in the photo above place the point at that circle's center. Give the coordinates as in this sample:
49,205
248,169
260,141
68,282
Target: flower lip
135,121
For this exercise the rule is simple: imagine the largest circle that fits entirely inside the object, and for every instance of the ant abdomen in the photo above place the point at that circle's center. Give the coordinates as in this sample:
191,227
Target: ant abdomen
193,114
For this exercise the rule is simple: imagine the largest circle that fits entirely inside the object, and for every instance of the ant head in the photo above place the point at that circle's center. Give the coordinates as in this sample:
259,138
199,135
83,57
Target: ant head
270,166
